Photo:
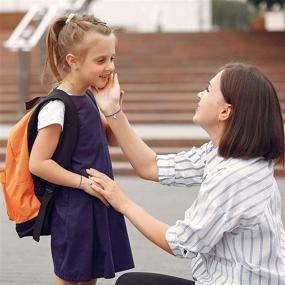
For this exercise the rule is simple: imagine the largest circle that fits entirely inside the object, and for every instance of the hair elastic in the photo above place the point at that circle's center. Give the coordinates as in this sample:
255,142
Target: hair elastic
70,17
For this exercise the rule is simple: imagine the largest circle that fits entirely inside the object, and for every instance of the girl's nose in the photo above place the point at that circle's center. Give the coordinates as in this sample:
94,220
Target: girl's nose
110,67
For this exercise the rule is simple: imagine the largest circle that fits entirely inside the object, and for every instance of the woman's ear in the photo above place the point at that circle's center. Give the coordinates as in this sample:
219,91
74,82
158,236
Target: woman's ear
71,60
226,112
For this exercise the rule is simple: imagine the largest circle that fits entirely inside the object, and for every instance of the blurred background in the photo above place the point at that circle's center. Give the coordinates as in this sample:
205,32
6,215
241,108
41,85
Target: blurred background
168,51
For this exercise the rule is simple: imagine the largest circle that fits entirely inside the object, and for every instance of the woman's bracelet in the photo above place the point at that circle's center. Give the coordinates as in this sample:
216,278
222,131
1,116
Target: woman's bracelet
114,114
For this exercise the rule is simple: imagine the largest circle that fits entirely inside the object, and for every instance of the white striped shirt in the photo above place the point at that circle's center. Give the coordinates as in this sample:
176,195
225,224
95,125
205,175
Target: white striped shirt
233,231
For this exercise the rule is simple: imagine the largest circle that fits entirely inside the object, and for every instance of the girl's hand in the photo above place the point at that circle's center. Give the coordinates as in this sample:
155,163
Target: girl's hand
110,97
110,190
86,187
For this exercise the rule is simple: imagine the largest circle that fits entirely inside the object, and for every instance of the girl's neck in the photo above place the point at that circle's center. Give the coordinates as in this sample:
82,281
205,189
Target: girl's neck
72,87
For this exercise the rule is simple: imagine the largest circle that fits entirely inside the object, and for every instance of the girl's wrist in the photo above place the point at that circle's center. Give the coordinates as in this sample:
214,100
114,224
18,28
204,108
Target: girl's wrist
82,182
112,111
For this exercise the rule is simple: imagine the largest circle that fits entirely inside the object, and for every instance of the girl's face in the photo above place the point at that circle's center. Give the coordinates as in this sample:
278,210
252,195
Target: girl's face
97,65
212,109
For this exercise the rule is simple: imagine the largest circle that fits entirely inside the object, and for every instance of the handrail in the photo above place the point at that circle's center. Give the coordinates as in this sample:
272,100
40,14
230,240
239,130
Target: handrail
29,32
26,35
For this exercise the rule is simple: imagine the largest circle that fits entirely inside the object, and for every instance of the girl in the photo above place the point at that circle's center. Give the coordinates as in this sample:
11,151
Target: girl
233,233
88,239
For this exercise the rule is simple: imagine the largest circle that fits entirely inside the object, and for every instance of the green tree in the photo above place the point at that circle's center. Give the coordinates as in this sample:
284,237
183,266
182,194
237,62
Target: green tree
232,15
269,3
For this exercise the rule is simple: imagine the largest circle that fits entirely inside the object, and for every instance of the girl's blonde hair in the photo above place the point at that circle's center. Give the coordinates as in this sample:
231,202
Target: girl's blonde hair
65,36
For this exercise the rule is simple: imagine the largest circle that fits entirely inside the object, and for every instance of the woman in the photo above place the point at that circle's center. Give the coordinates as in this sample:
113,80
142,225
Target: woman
233,233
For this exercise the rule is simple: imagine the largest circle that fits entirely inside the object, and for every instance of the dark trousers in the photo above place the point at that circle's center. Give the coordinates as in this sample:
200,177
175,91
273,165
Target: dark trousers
142,278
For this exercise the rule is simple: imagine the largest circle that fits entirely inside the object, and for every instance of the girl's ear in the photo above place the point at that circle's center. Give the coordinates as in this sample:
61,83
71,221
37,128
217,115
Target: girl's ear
226,112
71,60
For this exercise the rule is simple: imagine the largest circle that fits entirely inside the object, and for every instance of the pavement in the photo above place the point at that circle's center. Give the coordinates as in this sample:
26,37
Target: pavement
25,262
150,131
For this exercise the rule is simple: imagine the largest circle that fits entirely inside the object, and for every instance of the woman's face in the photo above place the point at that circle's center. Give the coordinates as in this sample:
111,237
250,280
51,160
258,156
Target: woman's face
212,108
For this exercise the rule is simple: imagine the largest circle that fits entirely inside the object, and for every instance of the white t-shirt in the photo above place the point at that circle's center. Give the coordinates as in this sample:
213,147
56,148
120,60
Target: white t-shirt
51,113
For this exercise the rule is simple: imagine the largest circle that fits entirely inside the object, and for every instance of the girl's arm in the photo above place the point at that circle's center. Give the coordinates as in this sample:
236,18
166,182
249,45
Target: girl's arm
43,166
141,157
150,227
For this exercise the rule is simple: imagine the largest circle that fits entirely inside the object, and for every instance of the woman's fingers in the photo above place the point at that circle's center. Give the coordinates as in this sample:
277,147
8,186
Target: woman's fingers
95,173
122,93
115,79
110,82
100,197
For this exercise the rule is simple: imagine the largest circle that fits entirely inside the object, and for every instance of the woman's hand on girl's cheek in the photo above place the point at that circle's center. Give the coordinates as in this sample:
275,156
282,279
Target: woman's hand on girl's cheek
109,97
110,190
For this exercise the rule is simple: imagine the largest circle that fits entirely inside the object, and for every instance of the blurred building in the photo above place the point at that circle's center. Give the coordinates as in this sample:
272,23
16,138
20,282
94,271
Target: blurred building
156,15
139,15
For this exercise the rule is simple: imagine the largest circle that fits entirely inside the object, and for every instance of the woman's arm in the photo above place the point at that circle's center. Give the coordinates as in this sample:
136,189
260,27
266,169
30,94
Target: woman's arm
141,157
43,166
112,141
150,227
153,229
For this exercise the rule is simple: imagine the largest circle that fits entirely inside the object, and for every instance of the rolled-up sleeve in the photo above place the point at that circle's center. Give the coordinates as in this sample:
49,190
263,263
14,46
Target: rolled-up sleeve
188,238
216,210
182,169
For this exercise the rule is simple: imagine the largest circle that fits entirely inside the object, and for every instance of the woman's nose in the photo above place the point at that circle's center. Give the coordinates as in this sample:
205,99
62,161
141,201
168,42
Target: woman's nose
200,94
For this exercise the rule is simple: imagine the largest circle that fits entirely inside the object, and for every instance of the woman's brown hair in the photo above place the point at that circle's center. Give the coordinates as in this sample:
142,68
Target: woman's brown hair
65,37
255,128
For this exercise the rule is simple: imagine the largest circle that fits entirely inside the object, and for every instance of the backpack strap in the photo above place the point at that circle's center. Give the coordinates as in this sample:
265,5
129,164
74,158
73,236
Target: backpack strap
91,96
30,104
63,153
69,135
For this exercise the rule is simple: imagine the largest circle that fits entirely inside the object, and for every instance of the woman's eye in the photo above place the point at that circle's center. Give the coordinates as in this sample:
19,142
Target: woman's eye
207,89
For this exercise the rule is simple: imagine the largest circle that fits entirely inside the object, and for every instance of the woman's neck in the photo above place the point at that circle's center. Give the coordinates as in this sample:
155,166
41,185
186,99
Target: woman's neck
216,135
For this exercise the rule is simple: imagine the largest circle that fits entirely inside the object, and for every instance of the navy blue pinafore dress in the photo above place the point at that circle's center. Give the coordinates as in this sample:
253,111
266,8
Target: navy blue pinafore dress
88,239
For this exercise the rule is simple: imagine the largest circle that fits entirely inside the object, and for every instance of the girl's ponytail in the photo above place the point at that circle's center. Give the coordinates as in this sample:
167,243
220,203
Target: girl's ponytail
53,56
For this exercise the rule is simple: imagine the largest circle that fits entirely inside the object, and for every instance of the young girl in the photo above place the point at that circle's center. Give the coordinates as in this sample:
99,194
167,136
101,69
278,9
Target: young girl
233,233
88,239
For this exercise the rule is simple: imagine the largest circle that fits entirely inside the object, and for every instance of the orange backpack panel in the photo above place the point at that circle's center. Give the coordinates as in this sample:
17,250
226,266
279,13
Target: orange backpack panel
18,187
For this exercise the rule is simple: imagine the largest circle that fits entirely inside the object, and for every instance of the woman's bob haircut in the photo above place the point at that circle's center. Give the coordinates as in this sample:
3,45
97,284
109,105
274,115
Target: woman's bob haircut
255,127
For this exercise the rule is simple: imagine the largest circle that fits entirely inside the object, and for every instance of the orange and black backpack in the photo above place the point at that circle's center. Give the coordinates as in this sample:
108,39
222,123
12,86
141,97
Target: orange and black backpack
28,198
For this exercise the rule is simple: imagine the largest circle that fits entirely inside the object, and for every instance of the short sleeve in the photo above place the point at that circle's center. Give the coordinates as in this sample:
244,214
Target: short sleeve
51,113
182,169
